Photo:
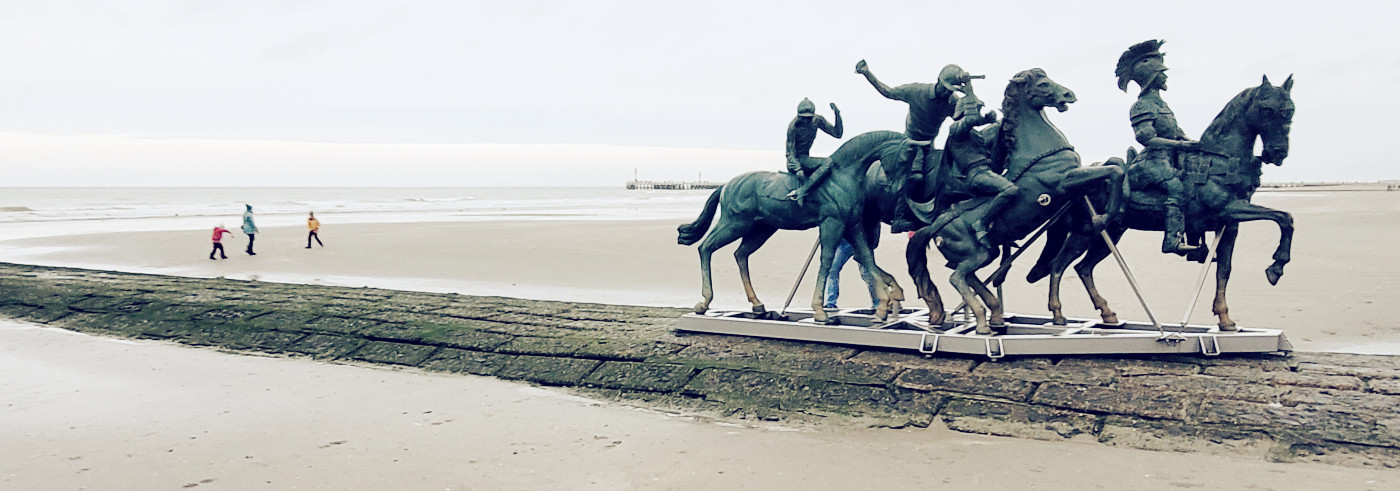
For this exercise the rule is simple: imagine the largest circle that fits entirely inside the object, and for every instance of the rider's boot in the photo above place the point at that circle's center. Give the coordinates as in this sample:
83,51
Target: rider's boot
904,219
995,208
1174,237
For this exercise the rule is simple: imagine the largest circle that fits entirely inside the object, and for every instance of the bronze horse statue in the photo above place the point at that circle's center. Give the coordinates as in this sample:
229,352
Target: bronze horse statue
1224,173
754,206
1046,169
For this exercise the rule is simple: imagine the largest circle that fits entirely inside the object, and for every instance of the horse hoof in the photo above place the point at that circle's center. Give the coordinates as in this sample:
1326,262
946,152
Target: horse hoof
1273,274
984,330
758,309
999,328
1111,319
701,307
1231,327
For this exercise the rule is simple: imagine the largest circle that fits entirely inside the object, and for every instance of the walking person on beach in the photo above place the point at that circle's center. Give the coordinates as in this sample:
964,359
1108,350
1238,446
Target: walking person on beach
844,252
249,229
219,232
314,225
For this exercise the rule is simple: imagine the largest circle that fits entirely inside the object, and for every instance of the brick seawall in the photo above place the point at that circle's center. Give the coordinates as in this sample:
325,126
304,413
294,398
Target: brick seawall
1318,407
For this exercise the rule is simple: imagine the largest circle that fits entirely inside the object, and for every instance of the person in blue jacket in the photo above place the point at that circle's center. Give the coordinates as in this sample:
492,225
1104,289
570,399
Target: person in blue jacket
249,229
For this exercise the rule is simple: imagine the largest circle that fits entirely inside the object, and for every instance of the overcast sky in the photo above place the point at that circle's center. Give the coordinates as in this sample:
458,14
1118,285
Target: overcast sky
461,93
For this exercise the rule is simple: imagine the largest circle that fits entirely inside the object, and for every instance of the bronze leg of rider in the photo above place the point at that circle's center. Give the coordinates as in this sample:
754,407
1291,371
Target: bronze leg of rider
983,181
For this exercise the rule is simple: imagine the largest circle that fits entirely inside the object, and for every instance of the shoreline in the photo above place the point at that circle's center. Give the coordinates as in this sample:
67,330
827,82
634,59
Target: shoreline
1308,407
1334,295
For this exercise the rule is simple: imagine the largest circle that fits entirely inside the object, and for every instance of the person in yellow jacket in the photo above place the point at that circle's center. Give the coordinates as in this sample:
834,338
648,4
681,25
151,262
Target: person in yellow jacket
313,225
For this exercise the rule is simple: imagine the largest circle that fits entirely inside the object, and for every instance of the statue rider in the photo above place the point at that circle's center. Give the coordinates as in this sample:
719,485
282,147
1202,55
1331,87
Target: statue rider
970,151
801,133
1155,127
929,105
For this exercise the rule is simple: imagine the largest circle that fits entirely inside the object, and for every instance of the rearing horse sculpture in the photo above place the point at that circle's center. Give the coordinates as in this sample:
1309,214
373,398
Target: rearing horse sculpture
1225,175
1040,161
754,206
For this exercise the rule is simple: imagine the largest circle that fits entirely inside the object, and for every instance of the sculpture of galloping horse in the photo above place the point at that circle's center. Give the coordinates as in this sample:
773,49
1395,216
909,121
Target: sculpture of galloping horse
754,206
1227,174
1040,161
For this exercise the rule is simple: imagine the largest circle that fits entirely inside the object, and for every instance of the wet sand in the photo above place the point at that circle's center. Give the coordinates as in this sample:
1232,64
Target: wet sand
83,412
1335,296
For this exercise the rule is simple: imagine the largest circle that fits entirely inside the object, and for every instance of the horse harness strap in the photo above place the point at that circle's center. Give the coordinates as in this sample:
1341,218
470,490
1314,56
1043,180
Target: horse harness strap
1037,159
1198,167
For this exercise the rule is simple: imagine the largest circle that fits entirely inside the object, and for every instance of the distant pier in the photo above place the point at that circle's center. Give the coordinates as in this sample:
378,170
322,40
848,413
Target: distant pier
673,185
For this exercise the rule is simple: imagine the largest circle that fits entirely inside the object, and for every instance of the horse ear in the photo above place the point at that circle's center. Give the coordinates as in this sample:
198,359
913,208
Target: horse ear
1266,81
1288,84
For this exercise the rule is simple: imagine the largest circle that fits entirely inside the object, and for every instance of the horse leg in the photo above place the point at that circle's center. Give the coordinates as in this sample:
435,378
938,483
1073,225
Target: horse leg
1224,256
996,321
1069,249
752,241
722,235
1244,211
960,282
829,234
1098,251
865,257
1081,181
916,256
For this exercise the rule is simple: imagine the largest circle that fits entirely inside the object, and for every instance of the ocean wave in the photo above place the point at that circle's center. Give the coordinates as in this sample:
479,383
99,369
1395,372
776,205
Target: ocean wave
14,209
438,200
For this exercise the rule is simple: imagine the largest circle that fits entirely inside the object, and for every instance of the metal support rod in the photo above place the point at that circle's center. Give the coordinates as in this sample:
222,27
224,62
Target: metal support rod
1128,273
1006,264
1201,280
801,275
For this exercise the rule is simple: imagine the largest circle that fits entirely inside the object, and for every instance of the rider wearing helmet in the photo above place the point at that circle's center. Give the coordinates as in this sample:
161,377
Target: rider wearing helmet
1156,129
929,106
801,133
969,152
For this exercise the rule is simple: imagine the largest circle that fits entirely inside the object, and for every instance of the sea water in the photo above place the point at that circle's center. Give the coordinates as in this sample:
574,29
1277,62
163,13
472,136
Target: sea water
39,212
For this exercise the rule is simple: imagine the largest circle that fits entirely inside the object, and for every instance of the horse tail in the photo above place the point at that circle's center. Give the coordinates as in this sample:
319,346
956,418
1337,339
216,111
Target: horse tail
692,232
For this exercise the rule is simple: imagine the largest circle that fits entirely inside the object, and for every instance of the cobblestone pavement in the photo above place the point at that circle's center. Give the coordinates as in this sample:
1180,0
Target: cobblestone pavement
1319,407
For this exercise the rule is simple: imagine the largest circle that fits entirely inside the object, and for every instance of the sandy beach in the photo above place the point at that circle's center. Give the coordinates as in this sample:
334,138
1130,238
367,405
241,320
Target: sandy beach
82,412
1334,295
85,412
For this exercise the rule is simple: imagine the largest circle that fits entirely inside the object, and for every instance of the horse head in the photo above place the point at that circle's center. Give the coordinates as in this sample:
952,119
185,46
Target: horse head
1270,115
1027,93
1036,90
1264,112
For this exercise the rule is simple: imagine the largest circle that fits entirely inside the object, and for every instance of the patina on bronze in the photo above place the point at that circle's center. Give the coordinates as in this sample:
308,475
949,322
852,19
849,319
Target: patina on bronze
755,206
1220,176
801,134
1040,161
1155,127
929,105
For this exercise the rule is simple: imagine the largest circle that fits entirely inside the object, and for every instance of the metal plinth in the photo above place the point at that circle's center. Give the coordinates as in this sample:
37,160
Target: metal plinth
1025,336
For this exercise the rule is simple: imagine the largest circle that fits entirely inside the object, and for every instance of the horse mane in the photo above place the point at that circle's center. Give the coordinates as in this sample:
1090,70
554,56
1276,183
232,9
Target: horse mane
1010,117
1233,110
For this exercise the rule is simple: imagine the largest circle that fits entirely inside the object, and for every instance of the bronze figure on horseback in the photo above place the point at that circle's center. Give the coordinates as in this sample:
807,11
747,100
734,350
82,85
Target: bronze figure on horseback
1217,178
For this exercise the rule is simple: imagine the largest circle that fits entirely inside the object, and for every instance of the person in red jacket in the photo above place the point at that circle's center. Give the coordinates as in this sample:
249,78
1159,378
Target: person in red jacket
219,232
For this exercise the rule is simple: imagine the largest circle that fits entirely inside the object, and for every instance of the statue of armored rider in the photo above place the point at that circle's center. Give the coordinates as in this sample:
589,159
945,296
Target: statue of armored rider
801,133
969,150
1155,127
929,105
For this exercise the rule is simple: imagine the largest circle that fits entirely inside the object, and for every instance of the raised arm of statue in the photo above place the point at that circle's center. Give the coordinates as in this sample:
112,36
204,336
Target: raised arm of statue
792,164
864,69
834,131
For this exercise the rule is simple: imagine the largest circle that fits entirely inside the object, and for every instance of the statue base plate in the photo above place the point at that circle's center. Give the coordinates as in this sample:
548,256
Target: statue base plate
1026,335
